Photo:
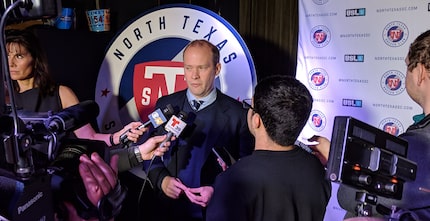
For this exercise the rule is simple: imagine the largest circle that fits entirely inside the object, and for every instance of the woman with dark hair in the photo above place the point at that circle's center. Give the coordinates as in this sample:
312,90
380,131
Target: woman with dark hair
35,90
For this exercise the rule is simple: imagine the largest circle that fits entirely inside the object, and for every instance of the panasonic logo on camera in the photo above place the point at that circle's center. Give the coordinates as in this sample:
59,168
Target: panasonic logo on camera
354,58
355,12
28,204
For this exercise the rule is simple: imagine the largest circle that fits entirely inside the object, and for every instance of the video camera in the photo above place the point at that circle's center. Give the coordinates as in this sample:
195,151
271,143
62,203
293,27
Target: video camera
31,9
370,160
42,159
38,160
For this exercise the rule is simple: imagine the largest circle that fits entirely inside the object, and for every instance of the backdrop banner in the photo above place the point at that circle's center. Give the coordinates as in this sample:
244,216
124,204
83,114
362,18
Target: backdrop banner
144,62
351,56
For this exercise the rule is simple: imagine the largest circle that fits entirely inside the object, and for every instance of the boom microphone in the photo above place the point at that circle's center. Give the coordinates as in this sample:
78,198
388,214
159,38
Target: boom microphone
73,117
156,118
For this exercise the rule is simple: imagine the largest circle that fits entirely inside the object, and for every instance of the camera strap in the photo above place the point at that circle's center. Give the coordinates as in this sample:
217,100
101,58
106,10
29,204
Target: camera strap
110,205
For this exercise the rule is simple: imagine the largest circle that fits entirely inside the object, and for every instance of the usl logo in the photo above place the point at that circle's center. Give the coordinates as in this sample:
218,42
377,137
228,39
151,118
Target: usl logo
354,58
352,103
144,62
355,12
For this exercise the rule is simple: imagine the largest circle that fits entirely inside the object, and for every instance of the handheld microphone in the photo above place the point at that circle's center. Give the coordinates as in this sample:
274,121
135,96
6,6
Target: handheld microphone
156,118
175,126
303,146
73,117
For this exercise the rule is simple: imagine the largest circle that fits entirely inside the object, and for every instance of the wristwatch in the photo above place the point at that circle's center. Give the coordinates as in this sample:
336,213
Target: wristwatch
137,154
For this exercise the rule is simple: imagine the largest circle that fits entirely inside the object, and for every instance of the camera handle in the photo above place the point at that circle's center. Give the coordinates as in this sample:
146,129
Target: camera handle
367,201
23,166
365,204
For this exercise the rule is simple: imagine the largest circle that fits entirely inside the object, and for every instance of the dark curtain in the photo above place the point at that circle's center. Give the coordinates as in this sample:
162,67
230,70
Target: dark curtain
270,29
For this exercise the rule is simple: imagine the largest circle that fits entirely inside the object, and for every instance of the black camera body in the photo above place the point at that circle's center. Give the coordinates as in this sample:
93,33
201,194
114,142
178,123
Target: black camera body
26,200
51,168
367,158
31,9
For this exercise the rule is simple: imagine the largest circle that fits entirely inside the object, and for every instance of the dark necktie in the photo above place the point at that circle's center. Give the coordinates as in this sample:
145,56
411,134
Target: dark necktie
197,104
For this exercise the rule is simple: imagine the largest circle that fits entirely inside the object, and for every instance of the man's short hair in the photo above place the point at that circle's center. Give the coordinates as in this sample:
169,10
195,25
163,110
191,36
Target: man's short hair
419,51
205,43
284,105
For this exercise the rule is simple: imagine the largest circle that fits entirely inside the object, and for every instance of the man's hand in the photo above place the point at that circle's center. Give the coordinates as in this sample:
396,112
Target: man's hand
322,149
172,187
201,195
98,177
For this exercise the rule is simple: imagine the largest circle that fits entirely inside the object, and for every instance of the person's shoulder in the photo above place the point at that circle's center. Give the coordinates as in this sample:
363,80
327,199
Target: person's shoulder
229,101
173,96
244,164
67,96
64,88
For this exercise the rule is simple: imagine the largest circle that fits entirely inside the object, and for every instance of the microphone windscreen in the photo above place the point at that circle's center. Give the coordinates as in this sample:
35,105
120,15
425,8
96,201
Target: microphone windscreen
74,116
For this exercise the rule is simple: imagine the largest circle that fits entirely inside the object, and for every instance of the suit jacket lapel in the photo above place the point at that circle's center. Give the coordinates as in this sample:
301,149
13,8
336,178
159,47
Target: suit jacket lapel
220,120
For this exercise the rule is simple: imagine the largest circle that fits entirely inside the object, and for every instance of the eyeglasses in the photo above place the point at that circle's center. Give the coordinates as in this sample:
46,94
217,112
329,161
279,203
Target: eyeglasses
246,103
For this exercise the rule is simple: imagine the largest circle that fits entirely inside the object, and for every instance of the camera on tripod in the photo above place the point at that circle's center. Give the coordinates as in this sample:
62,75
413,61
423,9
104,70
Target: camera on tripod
369,160
42,159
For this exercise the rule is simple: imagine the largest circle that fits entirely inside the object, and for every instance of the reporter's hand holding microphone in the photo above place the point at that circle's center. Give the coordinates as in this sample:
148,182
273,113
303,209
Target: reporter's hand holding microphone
156,118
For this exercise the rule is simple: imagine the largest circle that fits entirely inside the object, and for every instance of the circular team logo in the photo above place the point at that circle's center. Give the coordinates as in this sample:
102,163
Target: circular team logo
317,120
318,79
320,2
392,82
144,62
391,126
320,36
395,34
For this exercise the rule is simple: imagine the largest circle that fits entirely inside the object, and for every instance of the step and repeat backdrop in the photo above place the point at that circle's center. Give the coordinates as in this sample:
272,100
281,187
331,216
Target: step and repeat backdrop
351,56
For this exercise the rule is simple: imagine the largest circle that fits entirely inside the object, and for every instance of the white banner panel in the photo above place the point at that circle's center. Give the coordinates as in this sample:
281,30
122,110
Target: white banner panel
351,57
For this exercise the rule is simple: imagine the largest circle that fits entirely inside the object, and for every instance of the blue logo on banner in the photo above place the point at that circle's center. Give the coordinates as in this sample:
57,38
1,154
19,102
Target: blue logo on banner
395,34
320,36
320,2
391,126
318,79
317,120
392,82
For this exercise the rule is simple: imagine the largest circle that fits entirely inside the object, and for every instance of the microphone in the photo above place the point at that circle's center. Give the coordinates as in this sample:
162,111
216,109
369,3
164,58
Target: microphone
175,126
156,118
73,117
303,146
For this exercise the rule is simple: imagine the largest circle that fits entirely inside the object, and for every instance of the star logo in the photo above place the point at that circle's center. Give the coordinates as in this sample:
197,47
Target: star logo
105,92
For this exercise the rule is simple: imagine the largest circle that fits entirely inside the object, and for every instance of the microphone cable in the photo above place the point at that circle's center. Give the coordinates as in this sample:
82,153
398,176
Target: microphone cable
143,185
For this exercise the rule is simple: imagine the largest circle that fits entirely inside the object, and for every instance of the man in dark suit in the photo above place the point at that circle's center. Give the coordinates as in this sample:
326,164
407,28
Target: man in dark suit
188,170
